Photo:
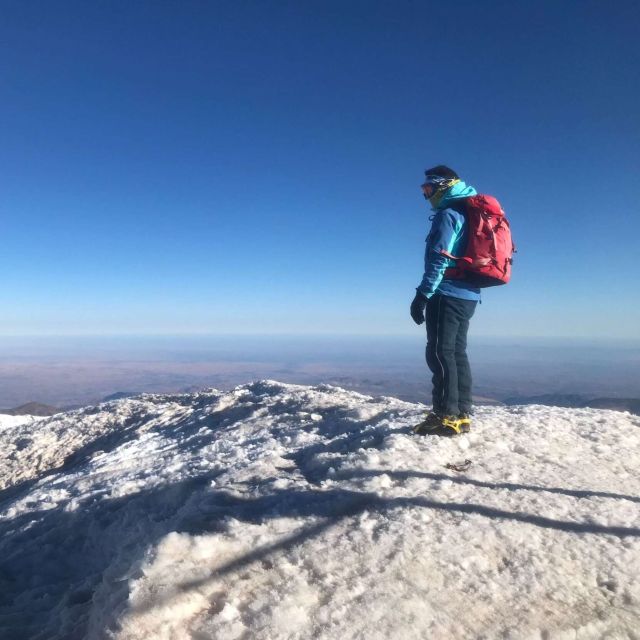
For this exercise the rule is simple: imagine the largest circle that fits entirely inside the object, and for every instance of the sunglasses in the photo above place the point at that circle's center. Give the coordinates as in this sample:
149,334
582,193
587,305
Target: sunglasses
433,184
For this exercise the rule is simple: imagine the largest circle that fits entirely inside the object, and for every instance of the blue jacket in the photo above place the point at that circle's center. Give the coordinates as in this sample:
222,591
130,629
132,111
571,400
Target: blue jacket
449,233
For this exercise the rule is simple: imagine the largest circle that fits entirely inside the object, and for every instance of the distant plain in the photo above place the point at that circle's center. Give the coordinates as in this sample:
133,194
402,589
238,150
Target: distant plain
79,370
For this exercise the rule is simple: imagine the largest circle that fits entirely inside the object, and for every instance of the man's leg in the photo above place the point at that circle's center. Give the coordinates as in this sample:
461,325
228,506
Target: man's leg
465,310
442,330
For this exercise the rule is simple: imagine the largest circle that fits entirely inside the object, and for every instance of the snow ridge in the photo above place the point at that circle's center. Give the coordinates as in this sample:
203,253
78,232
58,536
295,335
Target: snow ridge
283,511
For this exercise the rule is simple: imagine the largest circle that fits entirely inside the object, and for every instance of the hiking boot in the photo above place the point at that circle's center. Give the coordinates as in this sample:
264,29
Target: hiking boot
430,424
455,425
465,418
439,425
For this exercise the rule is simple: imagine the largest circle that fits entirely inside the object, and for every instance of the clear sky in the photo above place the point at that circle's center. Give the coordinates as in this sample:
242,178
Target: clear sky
176,167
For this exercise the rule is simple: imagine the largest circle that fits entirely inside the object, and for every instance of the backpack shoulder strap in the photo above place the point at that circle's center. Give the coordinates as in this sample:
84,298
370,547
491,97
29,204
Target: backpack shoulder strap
459,205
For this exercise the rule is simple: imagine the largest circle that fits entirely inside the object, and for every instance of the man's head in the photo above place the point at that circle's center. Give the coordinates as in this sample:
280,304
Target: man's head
437,180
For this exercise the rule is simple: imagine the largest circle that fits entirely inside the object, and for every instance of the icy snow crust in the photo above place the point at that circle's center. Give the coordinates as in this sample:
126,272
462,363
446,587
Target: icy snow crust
278,511
14,421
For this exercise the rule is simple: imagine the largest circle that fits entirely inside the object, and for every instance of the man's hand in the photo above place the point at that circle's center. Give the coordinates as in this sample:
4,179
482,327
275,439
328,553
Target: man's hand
417,308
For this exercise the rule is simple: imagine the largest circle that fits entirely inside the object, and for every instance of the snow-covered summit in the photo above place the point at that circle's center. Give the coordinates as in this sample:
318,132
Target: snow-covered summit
279,511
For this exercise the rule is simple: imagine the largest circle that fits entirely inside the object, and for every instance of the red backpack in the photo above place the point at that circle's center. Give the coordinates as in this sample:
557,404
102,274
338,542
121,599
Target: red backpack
487,259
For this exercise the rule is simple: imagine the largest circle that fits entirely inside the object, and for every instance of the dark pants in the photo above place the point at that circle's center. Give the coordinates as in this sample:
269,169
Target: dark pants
447,322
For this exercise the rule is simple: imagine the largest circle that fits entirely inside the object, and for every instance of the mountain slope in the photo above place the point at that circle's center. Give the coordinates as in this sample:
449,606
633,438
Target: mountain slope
31,409
282,511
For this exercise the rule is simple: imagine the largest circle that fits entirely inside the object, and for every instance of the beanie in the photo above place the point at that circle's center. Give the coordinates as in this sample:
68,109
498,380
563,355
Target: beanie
443,171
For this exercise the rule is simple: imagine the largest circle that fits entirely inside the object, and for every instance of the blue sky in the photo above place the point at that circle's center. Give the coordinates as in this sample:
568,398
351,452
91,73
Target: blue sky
177,167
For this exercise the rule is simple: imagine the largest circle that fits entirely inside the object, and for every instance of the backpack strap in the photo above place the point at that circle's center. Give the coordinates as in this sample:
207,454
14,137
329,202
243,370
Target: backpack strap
459,205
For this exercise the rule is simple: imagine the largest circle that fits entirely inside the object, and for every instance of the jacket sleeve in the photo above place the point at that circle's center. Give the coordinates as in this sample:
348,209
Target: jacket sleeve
445,231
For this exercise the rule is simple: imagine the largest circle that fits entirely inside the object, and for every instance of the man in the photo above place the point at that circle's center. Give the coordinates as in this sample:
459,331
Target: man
448,305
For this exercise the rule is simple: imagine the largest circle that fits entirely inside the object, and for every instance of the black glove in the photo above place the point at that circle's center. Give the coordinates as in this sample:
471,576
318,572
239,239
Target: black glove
417,308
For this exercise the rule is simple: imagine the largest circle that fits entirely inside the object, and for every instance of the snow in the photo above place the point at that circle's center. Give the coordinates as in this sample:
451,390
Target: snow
14,421
279,511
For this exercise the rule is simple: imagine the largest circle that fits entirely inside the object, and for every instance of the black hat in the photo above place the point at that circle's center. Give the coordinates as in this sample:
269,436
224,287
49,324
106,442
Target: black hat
442,171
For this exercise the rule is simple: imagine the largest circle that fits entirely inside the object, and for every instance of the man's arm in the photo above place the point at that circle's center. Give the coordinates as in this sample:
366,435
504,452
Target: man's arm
445,231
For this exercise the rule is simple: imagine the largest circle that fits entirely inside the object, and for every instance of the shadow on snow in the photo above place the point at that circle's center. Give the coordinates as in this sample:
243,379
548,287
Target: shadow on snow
53,562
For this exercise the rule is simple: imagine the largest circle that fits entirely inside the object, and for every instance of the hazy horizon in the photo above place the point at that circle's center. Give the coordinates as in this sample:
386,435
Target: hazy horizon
76,370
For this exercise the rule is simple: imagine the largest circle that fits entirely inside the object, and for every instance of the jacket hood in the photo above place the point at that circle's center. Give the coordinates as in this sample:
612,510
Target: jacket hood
456,191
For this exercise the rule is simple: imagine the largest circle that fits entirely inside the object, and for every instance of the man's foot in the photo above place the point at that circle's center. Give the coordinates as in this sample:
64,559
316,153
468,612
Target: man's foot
430,424
455,425
465,418
436,424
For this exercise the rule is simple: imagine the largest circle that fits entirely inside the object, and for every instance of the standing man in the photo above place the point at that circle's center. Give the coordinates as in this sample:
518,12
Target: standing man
446,304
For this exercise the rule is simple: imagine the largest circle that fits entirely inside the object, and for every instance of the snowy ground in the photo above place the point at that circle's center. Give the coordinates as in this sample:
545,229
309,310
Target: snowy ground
14,421
282,512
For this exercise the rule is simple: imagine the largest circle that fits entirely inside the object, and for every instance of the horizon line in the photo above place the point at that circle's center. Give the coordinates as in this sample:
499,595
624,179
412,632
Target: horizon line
308,336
